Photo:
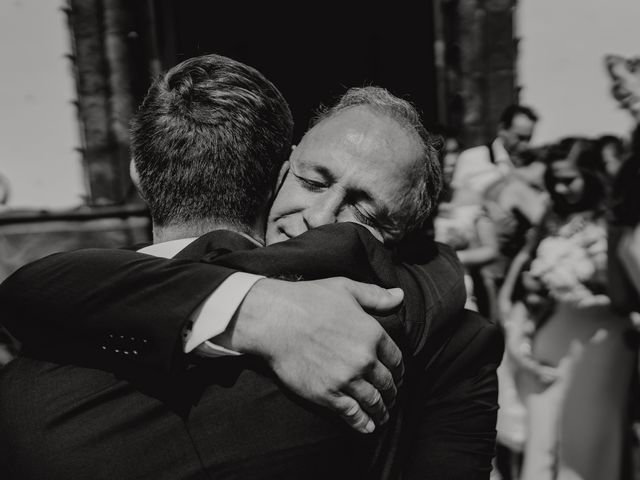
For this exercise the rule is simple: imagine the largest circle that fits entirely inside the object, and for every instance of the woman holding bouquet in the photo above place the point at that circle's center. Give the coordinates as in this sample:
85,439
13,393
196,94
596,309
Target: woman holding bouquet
577,408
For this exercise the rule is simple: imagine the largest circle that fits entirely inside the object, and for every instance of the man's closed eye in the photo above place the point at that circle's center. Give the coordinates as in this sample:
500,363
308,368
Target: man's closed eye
311,185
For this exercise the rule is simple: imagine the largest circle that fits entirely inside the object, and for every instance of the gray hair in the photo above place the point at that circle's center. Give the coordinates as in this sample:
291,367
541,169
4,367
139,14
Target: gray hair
382,101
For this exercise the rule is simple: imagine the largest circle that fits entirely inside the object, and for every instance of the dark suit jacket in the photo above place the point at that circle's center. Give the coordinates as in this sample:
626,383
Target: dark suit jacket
240,421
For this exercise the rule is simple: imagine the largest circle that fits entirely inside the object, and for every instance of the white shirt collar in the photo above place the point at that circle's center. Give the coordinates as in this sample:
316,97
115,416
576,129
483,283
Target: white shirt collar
171,248
167,249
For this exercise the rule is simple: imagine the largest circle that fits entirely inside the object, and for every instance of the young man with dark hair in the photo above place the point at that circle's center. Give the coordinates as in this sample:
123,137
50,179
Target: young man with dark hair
183,127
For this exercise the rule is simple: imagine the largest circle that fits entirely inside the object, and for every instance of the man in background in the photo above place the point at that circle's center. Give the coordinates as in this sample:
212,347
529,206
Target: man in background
478,167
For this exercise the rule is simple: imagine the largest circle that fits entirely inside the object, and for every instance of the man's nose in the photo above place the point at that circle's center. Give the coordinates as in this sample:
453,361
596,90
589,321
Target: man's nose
323,211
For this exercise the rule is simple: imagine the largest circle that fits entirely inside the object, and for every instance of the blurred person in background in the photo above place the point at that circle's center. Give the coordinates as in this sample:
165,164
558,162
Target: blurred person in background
510,183
573,344
612,154
4,190
463,224
507,180
624,220
477,167
624,233
451,148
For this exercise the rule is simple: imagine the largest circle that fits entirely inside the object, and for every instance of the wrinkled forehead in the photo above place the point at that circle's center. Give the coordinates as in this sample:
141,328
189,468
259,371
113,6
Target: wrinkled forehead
363,140
363,133
366,154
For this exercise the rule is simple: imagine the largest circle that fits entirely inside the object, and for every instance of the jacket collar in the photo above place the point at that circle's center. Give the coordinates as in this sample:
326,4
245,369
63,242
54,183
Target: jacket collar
221,241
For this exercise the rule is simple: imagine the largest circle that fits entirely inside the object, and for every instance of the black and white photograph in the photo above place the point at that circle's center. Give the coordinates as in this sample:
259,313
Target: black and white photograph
320,241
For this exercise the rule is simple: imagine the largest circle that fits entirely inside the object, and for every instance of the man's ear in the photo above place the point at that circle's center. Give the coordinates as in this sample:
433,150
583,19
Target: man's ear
135,177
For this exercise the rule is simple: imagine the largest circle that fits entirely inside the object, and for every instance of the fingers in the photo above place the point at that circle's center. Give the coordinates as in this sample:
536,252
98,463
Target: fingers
391,357
350,411
382,380
369,399
373,298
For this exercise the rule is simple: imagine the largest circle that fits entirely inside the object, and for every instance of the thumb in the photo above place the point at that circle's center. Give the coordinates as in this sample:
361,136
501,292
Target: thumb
375,299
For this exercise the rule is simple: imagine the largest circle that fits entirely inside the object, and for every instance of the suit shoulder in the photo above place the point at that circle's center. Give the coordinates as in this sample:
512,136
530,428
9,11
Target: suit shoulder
479,337
475,341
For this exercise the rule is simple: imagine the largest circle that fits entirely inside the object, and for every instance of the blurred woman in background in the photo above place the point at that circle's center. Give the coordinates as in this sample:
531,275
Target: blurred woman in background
581,365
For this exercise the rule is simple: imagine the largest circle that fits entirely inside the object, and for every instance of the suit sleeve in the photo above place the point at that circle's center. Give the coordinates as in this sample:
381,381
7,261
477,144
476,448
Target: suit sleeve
115,304
105,306
455,407
431,276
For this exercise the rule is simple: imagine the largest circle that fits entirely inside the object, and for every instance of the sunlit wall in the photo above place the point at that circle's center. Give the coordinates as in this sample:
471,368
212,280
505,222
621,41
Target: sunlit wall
38,127
560,70
561,67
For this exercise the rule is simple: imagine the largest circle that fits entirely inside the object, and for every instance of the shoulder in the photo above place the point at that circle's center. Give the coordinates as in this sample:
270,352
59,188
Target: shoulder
476,343
474,152
466,360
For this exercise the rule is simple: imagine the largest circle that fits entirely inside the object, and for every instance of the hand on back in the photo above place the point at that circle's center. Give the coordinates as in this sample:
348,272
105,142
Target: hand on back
323,345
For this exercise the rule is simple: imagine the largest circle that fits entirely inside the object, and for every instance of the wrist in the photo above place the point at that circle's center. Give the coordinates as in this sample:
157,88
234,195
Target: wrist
250,328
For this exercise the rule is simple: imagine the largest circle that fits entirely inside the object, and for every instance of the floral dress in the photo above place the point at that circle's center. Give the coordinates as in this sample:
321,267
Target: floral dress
576,425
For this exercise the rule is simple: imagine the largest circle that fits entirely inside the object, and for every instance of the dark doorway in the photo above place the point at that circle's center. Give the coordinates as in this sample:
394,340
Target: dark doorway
311,52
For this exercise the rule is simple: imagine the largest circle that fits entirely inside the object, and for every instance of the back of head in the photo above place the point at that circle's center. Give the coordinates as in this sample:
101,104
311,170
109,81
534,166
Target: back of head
382,102
208,142
510,112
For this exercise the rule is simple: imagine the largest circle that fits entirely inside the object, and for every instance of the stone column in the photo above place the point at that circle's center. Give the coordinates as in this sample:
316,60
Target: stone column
479,58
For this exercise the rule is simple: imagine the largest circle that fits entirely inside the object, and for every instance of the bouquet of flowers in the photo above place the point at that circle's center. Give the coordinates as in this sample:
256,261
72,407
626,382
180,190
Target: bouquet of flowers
571,263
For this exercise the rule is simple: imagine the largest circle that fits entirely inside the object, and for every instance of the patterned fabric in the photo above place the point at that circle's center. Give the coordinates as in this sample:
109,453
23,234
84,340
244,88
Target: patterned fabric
571,261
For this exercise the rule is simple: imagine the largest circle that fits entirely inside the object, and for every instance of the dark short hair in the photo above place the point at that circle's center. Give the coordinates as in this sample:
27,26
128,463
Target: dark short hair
509,113
581,152
608,139
382,101
208,142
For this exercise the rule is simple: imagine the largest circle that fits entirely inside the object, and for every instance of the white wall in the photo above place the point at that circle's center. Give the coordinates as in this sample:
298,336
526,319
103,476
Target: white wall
38,126
561,67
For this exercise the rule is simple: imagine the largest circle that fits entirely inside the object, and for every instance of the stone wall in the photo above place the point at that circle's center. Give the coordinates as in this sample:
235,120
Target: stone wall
478,51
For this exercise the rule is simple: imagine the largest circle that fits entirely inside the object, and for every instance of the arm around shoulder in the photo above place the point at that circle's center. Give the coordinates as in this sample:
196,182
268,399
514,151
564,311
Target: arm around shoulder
107,304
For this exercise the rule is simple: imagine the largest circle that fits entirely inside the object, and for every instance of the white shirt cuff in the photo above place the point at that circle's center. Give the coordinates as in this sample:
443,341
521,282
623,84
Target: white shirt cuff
212,317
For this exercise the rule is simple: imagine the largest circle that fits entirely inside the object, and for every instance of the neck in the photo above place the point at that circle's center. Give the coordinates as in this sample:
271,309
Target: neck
166,233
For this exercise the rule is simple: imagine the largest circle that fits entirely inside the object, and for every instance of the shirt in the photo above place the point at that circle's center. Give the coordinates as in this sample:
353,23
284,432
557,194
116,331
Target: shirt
474,169
212,317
